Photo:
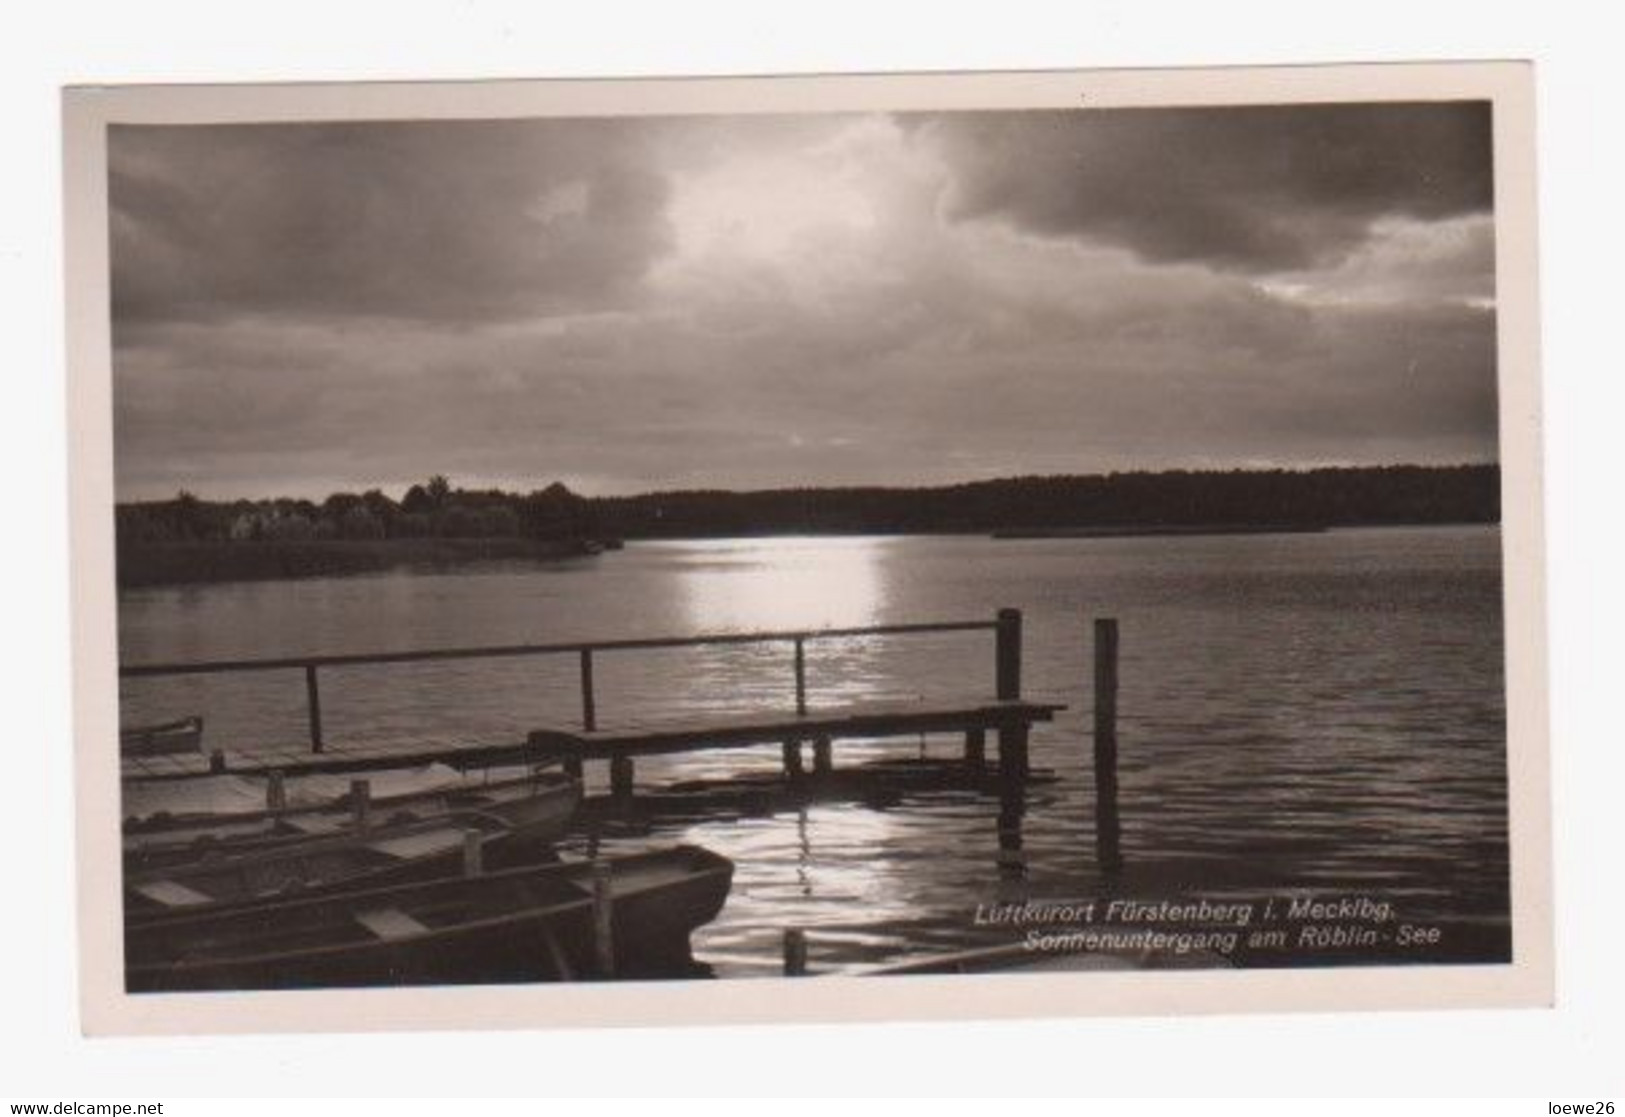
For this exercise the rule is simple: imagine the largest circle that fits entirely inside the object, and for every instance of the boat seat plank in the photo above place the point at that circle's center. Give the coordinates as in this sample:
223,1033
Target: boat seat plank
171,894
316,824
163,766
390,923
419,845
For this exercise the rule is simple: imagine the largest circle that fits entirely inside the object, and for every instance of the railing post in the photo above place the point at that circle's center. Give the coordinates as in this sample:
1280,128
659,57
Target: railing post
313,703
589,704
1107,824
801,677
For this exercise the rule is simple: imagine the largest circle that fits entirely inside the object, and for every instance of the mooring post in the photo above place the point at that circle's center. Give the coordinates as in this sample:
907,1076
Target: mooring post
361,803
823,756
621,773
276,793
603,919
795,952
1107,825
1012,814
313,704
473,853
801,677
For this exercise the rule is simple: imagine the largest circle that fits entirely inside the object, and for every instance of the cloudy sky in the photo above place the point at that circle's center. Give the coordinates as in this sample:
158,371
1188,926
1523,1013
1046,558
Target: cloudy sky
749,302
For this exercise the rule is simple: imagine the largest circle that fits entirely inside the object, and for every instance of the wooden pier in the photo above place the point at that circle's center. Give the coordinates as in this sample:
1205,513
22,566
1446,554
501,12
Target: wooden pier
1012,720
1004,713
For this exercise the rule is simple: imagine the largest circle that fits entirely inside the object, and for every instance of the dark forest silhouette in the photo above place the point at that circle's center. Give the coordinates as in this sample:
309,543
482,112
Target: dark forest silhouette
159,540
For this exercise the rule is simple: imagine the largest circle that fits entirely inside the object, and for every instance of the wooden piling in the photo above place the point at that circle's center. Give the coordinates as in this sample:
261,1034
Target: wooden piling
823,756
793,769
361,803
621,775
976,749
1013,766
473,853
276,793
603,919
795,952
573,766
1012,817
1108,849
217,762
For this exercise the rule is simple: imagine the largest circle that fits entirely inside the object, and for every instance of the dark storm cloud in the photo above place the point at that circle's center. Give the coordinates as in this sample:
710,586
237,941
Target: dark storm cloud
467,220
1256,188
763,301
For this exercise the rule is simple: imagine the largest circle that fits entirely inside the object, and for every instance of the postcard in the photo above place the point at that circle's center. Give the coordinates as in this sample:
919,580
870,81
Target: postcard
558,553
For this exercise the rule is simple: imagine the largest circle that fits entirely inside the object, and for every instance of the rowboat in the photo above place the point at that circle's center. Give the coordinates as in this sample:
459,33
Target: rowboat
168,739
208,799
536,807
516,925
419,850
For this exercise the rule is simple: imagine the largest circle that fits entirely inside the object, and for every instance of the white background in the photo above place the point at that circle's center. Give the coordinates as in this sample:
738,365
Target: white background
1573,1051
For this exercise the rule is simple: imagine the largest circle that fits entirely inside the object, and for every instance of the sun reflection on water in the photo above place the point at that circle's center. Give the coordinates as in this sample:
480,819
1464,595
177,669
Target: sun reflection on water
736,585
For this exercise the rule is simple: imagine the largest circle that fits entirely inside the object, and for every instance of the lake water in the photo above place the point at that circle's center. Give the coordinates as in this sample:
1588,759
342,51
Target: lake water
1300,714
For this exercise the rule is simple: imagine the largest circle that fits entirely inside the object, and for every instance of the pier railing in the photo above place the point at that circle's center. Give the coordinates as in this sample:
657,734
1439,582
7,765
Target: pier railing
1006,625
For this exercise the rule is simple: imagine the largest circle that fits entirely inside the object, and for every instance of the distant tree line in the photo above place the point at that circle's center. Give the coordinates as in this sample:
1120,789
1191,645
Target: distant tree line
432,510
1319,497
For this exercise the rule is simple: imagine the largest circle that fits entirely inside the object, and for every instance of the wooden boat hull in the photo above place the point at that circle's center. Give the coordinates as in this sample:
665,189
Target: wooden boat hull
298,868
522,925
535,811
170,739
208,801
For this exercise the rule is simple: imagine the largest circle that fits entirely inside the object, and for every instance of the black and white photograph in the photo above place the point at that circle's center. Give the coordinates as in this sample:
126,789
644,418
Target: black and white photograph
845,542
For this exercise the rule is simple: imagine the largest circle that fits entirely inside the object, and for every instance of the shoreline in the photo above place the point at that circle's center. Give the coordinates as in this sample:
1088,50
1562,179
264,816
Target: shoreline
1130,531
